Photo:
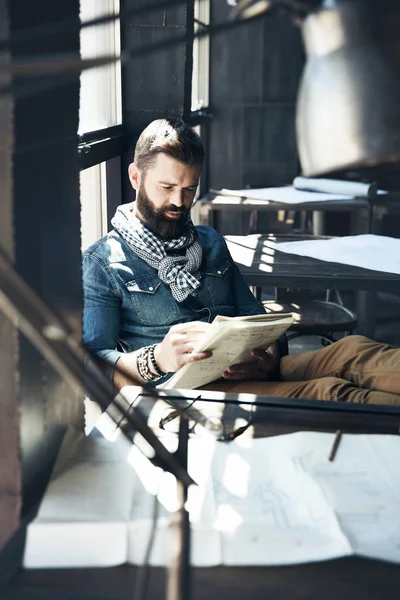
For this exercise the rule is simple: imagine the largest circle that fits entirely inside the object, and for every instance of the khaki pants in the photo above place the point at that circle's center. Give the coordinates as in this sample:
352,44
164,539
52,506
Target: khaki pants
353,369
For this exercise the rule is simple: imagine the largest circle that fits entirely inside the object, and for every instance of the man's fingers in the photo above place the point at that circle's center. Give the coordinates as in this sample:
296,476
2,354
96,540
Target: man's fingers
192,327
186,346
191,337
241,368
234,376
195,356
263,355
181,339
259,353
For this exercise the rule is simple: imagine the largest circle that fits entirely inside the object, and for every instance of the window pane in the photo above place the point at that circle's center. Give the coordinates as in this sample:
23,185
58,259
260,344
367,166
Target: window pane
100,95
201,50
93,184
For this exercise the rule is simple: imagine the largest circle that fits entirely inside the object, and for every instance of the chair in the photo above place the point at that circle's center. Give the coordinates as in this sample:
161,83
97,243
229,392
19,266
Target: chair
320,318
314,317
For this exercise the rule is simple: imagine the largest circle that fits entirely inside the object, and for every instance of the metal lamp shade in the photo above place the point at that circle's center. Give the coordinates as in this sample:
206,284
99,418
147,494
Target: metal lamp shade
348,110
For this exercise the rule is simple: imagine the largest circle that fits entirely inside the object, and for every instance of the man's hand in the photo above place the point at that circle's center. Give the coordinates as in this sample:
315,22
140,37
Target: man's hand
177,347
171,354
265,367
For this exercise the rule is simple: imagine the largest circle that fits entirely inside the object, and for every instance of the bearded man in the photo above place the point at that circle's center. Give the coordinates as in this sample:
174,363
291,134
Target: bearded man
153,285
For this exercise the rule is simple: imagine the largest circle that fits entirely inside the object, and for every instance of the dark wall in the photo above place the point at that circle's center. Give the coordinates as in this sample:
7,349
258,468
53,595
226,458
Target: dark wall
254,75
255,71
153,84
46,219
157,83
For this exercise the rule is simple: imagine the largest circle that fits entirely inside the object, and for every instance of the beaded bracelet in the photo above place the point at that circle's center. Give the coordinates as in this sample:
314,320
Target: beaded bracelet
154,362
143,358
142,364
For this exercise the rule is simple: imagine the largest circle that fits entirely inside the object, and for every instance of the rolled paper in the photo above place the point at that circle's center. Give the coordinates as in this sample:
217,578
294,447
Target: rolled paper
336,186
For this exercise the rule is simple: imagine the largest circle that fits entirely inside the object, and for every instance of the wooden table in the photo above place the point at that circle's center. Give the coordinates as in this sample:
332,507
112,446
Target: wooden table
262,265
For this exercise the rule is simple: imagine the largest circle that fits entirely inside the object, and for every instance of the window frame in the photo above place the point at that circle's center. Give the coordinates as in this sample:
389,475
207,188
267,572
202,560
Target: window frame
104,145
201,57
99,146
93,48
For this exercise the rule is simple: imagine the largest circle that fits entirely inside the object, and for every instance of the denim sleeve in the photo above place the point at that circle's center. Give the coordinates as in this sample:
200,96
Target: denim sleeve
101,312
245,302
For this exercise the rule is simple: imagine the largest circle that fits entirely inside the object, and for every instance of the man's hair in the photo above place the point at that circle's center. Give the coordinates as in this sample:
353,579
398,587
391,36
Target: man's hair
172,137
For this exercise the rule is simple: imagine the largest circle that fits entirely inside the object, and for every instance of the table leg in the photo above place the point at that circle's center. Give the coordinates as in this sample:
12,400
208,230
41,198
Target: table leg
318,222
361,221
366,312
378,214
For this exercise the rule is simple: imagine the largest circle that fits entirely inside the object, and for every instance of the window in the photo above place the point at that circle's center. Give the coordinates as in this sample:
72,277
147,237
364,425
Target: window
100,96
100,118
101,193
201,57
93,204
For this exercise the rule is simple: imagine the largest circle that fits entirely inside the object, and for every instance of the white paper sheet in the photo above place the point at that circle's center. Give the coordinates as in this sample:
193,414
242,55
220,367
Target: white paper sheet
286,195
375,252
271,501
362,485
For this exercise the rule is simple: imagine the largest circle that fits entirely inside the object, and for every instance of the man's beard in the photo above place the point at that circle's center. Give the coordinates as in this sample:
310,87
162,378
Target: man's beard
156,220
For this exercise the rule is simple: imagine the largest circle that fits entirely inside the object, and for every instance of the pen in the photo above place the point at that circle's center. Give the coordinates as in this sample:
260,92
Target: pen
335,446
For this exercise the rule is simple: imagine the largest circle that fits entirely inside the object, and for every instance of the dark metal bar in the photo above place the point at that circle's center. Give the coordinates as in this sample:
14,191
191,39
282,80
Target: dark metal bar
187,92
178,583
50,336
366,311
93,153
101,134
66,26
306,414
27,88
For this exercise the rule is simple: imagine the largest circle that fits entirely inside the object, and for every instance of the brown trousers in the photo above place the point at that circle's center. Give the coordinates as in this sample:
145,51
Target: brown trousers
353,369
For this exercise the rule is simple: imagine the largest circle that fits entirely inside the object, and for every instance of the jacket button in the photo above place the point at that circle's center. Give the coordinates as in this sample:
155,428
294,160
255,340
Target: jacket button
219,272
151,289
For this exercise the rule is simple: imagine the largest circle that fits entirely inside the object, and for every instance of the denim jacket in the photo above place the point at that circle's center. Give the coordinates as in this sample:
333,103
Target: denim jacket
127,306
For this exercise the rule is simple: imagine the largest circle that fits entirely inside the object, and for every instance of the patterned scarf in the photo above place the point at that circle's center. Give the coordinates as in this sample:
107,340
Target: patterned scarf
180,273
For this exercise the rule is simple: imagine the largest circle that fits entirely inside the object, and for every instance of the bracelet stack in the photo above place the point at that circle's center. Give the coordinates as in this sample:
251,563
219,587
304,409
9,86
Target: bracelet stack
144,358
153,361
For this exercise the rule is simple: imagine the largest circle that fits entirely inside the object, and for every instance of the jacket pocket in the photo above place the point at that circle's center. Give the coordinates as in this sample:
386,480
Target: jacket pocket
218,286
218,269
151,301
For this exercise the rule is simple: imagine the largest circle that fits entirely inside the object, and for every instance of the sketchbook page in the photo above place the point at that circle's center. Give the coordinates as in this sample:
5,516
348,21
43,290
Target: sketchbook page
362,485
285,195
375,252
83,518
233,344
270,512
295,505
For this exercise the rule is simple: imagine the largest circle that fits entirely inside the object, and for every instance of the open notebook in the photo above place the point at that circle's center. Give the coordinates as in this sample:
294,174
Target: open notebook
231,340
